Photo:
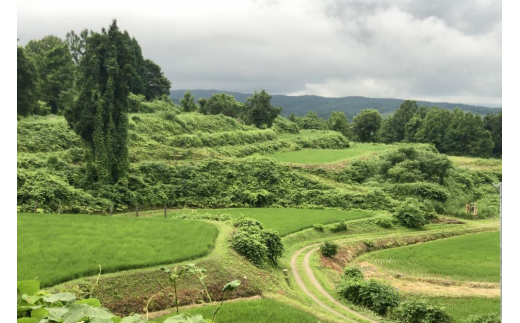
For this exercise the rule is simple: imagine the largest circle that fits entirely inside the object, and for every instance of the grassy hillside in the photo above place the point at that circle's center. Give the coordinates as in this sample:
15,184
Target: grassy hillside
351,105
61,247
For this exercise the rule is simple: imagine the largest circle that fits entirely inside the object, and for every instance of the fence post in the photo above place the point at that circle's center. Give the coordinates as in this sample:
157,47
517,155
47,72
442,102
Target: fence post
36,206
59,207
165,209
136,210
110,210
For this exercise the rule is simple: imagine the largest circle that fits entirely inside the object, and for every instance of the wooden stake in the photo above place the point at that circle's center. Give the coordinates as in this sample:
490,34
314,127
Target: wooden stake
136,211
165,209
35,206
110,210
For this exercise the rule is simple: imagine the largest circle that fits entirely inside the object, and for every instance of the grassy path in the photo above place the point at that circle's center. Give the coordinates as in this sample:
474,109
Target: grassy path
307,282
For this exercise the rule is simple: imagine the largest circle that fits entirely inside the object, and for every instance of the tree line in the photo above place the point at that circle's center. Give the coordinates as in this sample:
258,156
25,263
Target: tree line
451,132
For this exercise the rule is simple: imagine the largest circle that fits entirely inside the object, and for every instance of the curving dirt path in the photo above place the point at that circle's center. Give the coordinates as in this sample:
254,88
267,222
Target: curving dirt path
317,285
307,271
310,275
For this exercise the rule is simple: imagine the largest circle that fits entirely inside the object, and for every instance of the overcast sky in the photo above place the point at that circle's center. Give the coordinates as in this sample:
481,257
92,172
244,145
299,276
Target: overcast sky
442,50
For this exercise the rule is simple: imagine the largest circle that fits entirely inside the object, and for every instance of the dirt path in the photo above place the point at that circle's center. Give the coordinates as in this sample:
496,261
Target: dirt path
317,285
310,275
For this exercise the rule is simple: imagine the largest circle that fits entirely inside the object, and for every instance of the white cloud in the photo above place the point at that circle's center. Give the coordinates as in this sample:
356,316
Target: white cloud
402,49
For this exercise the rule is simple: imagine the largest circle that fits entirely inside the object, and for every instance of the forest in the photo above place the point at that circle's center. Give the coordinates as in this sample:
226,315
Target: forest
130,203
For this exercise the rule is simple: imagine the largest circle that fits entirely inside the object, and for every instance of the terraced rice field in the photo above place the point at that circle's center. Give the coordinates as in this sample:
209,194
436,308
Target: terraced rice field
474,257
55,248
328,156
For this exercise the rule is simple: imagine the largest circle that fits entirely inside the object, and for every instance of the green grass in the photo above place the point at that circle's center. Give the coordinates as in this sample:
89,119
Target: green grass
287,220
56,248
460,308
258,311
327,156
474,163
473,257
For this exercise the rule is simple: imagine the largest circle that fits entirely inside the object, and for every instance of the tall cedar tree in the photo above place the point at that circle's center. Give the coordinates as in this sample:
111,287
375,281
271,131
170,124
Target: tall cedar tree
27,80
99,115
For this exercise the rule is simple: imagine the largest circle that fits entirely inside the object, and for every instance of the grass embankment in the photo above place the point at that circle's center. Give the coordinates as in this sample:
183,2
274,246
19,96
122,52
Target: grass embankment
327,156
258,311
290,220
474,257
56,248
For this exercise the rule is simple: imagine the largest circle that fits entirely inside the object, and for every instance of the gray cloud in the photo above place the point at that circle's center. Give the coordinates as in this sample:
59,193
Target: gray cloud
432,50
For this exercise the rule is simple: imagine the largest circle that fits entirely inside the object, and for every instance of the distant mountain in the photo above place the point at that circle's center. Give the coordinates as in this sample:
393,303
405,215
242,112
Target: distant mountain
350,105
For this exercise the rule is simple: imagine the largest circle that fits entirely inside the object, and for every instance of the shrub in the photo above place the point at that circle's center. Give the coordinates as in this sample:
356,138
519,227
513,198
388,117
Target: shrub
274,245
419,311
411,214
248,224
374,295
329,249
352,273
318,227
486,318
384,223
251,246
340,226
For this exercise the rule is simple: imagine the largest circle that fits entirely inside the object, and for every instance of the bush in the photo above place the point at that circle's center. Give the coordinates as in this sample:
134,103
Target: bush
352,273
340,226
329,249
384,223
248,224
419,311
411,214
374,295
256,244
274,245
486,318
251,246
318,227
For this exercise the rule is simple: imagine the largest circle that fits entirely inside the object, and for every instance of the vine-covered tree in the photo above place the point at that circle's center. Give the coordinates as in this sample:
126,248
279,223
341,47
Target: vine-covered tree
27,81
366,124
99,115
259,111
55,69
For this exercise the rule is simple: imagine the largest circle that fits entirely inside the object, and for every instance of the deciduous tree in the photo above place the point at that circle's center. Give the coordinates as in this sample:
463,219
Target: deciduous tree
366,124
